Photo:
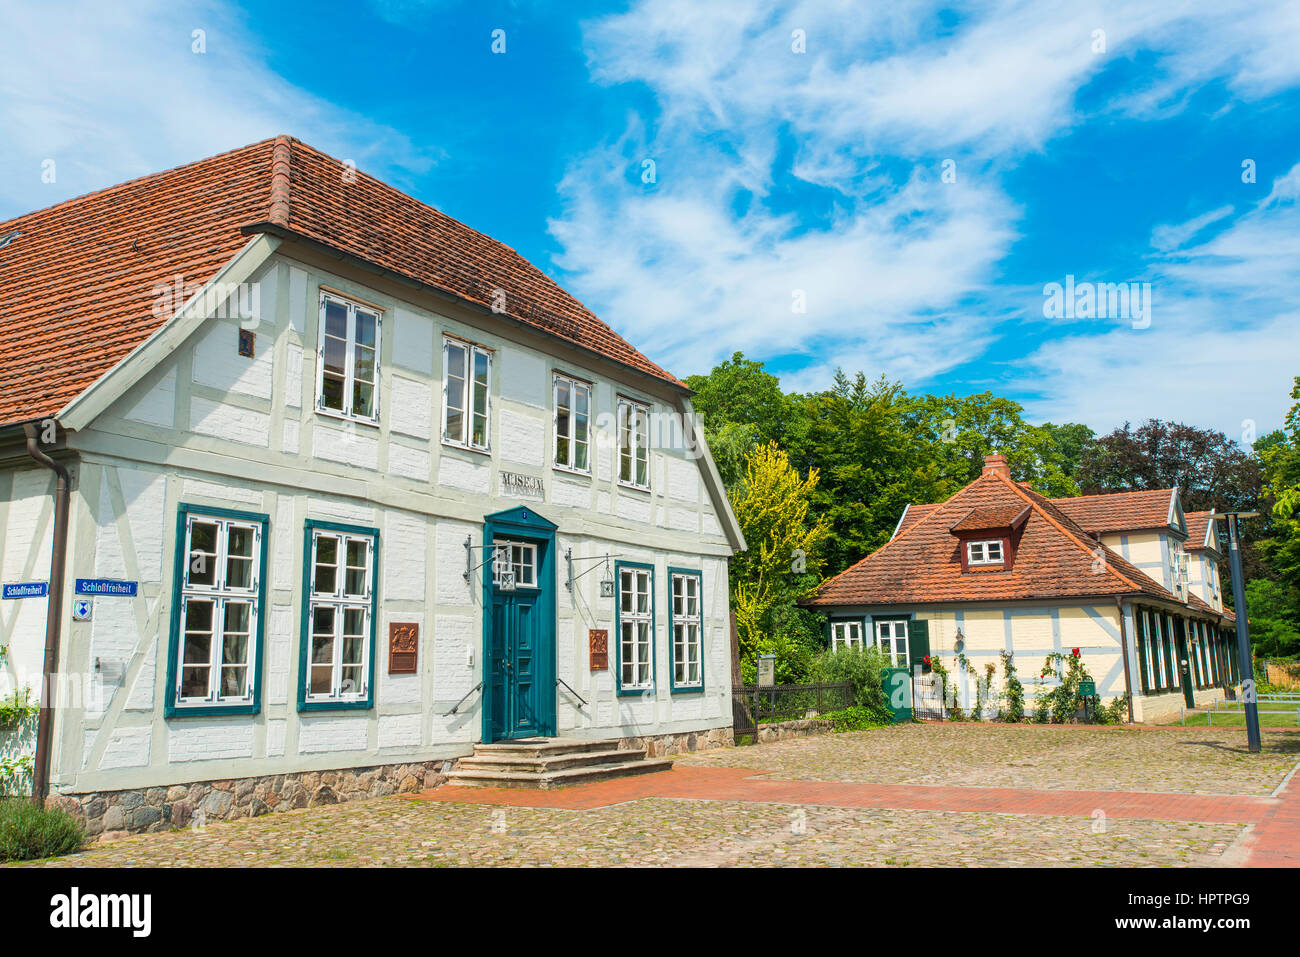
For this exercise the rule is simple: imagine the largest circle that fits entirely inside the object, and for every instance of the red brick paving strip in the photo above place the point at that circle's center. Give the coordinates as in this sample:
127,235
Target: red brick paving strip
739,784
1276,840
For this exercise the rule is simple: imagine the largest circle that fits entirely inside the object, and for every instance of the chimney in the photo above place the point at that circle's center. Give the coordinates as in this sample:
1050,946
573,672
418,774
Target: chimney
996,465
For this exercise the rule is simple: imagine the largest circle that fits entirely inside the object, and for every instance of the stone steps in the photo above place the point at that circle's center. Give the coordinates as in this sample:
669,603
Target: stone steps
545,763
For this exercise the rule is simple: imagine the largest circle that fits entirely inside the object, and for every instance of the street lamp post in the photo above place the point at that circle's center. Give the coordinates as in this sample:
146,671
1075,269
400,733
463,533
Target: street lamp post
1248,695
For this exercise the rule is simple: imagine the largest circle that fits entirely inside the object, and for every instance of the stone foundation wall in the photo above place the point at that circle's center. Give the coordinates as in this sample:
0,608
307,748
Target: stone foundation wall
1162,709
785,730
682,742
109,814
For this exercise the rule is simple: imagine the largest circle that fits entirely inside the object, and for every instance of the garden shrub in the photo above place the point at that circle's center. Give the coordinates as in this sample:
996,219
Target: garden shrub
861,668
28,832
856,718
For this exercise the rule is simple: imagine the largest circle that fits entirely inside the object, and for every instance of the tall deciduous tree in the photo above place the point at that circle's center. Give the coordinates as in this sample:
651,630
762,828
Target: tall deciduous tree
1275,606
784,559
1210,468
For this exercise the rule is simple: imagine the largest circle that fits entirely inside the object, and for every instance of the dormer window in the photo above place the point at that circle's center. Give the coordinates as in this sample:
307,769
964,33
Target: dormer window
984,553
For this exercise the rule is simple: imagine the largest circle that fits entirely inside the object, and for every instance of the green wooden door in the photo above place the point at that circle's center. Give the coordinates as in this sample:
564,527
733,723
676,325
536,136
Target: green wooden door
897,685
518,699
1184,663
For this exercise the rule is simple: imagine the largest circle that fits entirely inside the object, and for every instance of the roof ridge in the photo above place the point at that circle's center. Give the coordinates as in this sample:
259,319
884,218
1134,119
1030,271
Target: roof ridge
1028,497
281,163
107,190
1136,491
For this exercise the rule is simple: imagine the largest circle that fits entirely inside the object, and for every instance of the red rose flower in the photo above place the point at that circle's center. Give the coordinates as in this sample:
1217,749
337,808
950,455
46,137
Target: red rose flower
1074,652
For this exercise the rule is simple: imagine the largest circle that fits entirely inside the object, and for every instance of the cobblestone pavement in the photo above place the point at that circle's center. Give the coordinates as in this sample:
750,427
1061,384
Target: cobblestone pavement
1192,760
661,832
704,827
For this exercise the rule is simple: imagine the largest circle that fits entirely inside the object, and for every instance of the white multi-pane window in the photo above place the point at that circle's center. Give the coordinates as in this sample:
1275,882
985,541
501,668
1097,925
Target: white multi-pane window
1175,674
636,628
846,634
466,372
633,443
219,612
984,553
519,558
347,381
891,639
1152,650
339,611
572,424
688,631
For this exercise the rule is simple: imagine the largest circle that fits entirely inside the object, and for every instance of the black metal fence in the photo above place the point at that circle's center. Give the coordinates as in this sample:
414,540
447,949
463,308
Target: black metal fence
752,705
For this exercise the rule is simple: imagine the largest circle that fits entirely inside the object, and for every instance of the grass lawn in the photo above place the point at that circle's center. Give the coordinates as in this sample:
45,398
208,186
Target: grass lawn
1231,714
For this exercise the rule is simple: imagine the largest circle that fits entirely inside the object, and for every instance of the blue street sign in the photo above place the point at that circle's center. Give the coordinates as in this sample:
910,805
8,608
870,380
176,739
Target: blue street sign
26,589
106,586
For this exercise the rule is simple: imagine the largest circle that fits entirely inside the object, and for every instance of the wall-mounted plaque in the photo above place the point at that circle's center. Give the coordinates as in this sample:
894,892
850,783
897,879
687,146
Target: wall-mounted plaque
599,639
403,647
522,486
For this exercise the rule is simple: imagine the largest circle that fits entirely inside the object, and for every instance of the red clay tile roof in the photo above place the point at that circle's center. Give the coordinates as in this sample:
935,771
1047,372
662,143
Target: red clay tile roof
1118,511
913,514
1197,525
988,519
76,287
1055,558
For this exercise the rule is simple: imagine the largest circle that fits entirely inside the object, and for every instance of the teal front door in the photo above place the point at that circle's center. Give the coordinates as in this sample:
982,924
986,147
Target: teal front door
517,641
519,627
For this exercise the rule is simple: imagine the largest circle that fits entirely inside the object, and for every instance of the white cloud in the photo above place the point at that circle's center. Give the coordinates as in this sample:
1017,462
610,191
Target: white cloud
901,271
114,91
1224,341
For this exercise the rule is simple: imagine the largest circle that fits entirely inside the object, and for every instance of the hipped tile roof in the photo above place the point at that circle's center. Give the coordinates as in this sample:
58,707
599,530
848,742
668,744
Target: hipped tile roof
1119,511
77,282
1054,557
1197,526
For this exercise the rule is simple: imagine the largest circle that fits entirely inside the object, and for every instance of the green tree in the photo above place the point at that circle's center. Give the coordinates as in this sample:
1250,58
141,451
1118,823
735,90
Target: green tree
1280,457
964,429
1274,624
741,406
782,565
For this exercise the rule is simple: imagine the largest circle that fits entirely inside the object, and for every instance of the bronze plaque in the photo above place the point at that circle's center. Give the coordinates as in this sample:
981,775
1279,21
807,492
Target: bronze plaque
403,647
599,639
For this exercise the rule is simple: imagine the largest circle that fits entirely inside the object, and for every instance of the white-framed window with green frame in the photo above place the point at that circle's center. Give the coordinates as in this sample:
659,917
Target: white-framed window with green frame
218,611
846,633
339,608
686,625
635,627
891,639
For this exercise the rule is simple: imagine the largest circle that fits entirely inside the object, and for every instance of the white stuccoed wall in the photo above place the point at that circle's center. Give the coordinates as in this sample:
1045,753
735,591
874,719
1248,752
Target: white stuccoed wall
211,428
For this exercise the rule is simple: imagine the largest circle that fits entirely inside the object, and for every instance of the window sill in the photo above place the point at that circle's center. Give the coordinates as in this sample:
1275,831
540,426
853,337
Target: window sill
577,473
467,448
636,692
363,704
354,419
634,488
209,710
688,689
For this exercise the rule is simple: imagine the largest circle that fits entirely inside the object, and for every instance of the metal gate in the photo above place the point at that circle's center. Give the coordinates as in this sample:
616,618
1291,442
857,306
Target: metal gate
927,697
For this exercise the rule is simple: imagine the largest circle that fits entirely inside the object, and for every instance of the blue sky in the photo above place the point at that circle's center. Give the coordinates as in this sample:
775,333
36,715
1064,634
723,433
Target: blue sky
1103,142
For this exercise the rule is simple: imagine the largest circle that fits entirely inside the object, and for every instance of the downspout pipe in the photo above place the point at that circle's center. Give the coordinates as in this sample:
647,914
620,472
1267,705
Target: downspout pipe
53,616
1123,644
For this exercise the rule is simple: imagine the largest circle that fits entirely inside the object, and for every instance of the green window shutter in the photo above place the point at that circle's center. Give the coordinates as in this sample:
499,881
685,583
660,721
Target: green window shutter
1140,626
918,643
